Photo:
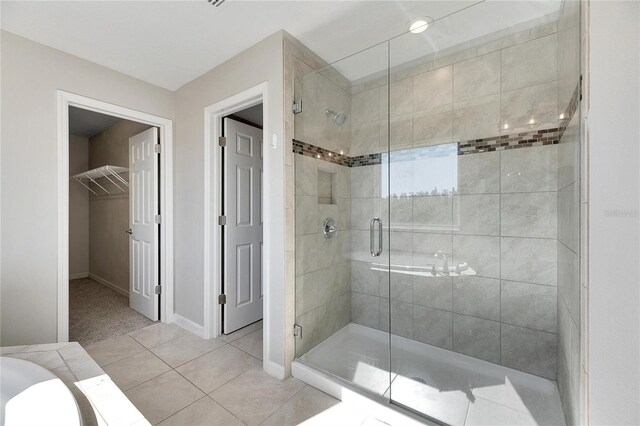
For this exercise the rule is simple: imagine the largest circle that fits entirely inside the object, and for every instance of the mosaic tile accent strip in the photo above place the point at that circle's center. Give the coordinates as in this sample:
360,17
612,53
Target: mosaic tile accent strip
309,150
541,137
571,109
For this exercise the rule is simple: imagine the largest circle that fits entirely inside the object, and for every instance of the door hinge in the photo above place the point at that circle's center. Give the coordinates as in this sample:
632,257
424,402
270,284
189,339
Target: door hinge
222,141
222,299
156,148
222,220
157,289
296,107
158,218
297,331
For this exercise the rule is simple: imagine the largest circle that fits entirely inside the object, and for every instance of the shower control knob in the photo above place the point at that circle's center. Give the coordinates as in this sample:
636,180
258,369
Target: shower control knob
329,228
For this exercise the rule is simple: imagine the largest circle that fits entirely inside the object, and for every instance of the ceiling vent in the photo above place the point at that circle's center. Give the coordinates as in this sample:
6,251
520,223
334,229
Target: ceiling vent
216,3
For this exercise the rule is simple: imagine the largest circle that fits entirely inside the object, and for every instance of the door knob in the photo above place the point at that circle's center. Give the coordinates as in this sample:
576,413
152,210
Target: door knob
129,231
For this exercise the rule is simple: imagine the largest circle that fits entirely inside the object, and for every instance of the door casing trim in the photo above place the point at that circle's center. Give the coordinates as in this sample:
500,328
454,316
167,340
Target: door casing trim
213,115
165,126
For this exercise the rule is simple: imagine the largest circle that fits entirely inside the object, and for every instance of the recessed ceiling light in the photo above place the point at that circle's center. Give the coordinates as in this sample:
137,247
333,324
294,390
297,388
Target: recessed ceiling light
418,25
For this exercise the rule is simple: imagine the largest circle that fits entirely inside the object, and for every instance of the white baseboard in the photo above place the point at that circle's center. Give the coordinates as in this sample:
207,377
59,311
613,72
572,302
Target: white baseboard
188,325
78,275
273,369
109,284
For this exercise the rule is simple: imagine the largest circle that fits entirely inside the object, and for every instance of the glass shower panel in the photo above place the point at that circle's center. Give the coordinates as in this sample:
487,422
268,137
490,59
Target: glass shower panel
472,172
341,192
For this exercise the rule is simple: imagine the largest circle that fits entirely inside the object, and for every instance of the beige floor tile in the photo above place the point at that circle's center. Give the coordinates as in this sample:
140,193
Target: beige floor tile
251,343
242,332
136,369
185,349
304,405
163,396
113,350
205,411
216,368
157,334
254,395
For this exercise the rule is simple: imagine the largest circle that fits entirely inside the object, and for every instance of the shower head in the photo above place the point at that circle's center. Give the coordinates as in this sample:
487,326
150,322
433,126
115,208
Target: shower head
338,117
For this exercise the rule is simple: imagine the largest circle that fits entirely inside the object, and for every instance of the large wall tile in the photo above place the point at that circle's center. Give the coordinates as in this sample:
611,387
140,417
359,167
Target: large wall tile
504,42
433,88
532,260
306,214
364,279
400,288
306,180
476,77
401,211
476,337
425,245
529,63
433,326
569,279
365,309
476,118
433,213
432,292
530,170
529,305
479,173
401,131
529,350
401,97
365,182
306,292
362,211
477,214
569,217
365,106
529,214
306,253
480,253
569,154
365,138
433,126
477,296
402,318
533,107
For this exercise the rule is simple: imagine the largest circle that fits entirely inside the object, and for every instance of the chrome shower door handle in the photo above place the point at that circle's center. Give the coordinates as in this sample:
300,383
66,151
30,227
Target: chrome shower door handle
372,225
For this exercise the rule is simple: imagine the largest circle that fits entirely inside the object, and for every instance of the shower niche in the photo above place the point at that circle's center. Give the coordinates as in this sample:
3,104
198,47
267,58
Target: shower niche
464,312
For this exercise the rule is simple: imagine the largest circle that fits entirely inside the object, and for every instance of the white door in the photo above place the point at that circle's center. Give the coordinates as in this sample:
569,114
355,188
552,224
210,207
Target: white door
143,206
242,279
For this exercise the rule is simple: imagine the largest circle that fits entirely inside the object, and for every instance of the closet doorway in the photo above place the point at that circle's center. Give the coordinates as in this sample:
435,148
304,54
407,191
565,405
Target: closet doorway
116,240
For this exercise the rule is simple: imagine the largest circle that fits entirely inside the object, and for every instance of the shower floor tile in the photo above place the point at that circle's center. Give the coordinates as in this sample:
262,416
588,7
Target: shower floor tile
450,387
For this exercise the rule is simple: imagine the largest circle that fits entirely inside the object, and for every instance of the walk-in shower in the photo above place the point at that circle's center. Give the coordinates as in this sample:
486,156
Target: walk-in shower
450,283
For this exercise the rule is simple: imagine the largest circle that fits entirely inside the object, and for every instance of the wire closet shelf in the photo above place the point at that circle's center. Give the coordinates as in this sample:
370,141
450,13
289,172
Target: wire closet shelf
107,172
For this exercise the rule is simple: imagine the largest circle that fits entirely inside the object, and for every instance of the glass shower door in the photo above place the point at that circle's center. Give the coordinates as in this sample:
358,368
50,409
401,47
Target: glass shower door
342,256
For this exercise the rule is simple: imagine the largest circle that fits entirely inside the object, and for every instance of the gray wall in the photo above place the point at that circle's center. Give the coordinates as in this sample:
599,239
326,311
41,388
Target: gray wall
31,74
109,214
612,96
260,63
78,208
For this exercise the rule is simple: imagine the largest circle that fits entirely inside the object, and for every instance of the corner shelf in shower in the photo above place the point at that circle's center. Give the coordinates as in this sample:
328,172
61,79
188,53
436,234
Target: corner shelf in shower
104,172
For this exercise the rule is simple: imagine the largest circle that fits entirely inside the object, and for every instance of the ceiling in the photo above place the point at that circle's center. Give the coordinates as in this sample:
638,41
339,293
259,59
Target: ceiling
87,123
169,43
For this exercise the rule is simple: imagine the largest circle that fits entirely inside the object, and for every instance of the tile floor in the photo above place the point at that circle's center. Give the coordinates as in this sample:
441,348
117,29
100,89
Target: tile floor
176,378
